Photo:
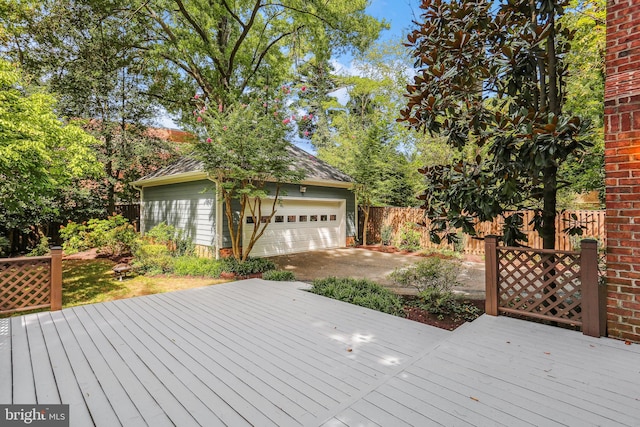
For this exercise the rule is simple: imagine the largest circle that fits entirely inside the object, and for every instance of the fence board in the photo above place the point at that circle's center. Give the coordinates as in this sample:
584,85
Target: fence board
592,221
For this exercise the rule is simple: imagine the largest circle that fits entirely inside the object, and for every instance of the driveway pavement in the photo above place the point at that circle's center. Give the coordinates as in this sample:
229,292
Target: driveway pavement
376,266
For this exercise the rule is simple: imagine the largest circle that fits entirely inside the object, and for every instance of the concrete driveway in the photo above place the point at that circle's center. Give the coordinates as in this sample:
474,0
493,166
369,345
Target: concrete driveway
376,266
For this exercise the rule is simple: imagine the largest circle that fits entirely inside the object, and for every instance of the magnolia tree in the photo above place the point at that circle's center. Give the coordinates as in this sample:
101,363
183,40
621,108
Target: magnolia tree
244,149
491,79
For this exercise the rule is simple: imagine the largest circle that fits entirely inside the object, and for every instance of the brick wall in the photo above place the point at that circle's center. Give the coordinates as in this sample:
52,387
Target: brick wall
622,166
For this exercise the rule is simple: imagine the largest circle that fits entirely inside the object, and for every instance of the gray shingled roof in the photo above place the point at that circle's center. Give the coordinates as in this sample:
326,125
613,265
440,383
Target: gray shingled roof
315,169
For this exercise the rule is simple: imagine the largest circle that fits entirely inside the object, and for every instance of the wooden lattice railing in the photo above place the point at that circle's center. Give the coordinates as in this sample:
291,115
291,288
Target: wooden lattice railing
558,286
31,283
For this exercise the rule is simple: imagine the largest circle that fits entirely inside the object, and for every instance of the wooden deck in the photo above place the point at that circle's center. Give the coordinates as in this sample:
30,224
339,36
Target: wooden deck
267,353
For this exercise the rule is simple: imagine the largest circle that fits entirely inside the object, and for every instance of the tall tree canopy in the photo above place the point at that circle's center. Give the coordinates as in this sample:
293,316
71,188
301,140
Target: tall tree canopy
221,49
39,154
84,51
491,75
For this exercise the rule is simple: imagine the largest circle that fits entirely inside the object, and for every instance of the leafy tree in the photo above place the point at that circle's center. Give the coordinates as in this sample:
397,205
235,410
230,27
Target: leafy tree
221,49
492,75
243,147
39,154
80,50
585,91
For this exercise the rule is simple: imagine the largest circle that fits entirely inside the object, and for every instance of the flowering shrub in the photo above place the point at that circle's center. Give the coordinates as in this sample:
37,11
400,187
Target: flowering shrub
243,147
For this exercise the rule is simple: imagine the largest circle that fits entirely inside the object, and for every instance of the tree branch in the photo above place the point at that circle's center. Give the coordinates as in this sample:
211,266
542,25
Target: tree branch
245,31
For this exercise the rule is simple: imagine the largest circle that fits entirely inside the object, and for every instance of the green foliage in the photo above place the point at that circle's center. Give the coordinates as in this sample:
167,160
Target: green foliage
248,266
386,234
197,266
103,83
445,303
39,153
174,238
243,147
228,49
5,246
42,248
409,238
279,275
360,292
113,236
75,238
491,79
585,92
433,273
153,259
434,278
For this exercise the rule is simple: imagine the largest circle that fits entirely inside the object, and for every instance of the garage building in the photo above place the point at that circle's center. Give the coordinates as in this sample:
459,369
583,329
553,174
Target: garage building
317,213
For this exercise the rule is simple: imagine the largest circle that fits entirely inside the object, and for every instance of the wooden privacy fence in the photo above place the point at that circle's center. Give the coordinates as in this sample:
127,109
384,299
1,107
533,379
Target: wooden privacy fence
558,286
30,283
396,218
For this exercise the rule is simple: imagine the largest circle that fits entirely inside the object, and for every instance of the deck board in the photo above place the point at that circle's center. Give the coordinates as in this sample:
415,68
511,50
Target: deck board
43,378
6,376
24,390
268,353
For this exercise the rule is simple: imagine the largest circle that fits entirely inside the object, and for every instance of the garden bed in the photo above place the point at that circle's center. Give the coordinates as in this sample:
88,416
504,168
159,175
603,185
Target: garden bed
448,322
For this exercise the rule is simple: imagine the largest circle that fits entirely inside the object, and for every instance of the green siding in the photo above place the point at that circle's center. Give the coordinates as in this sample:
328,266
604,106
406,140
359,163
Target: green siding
189,206
313,192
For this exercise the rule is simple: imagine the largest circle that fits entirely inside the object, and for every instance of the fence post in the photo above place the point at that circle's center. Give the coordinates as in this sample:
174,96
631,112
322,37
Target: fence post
56,278
491,274
593,298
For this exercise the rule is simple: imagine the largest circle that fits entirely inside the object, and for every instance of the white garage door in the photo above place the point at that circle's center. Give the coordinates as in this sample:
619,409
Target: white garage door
299,226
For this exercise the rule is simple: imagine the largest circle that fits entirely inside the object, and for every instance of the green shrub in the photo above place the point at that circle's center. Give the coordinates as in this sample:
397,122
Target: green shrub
279,275
5,246
42,248
74,236
112,236
431,273
445,303
173,238
195,266
386,235
409,238
153,259
361,292
250,266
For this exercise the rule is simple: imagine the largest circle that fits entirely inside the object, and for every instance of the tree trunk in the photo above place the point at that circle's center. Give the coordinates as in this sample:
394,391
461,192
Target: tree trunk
365,224
549,194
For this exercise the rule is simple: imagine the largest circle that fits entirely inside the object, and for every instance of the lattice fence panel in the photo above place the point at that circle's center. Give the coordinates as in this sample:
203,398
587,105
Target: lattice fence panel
24,283
539,283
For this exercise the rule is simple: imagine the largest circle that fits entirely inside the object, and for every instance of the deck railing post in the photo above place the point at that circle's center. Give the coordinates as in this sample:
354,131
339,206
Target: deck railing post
593,296
491,274
56,278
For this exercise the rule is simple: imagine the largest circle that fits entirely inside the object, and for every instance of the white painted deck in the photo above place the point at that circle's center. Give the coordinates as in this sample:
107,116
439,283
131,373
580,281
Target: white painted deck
267,353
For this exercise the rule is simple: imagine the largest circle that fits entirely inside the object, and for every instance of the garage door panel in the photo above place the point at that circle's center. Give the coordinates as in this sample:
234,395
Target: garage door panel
291,237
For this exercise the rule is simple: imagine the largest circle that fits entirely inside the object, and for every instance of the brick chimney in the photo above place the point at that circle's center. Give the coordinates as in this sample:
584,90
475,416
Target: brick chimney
622,167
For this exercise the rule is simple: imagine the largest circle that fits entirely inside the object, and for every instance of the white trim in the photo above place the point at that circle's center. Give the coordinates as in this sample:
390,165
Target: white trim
219,214
199,175
171,179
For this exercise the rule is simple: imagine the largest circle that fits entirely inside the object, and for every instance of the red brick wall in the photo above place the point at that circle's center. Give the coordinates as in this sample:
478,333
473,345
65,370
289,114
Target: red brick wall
622,166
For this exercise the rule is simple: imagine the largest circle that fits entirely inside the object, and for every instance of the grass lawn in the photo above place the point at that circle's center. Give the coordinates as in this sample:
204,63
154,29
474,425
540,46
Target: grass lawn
92,281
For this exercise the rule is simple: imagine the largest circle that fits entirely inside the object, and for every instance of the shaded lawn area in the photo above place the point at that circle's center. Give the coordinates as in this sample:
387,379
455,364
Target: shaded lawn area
92,281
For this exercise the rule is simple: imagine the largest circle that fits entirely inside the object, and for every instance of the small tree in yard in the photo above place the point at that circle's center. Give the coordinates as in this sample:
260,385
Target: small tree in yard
243,148
491,79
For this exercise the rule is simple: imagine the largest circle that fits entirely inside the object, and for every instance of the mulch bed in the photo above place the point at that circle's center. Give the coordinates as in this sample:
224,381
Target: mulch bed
394,250
447,322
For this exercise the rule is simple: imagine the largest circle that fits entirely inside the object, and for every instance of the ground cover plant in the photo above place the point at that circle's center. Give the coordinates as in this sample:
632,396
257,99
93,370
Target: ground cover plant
434,279
362,292
279,275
